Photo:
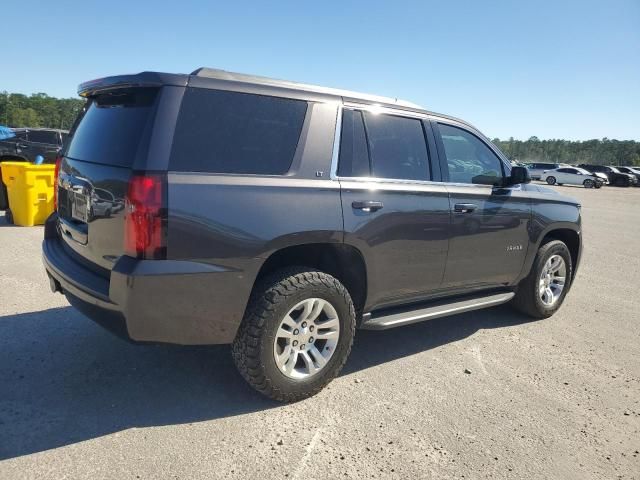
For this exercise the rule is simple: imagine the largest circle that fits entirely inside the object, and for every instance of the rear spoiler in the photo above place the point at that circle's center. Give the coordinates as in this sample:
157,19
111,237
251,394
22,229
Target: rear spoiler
143,79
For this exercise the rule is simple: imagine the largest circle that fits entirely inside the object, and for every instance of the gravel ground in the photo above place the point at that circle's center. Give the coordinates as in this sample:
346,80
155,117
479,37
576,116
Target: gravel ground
558,398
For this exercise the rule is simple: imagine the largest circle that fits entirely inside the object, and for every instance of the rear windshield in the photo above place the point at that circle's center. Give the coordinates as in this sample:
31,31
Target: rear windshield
231,132
113,127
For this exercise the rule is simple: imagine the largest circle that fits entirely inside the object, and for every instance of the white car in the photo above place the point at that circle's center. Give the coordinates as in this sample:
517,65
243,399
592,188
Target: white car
572,176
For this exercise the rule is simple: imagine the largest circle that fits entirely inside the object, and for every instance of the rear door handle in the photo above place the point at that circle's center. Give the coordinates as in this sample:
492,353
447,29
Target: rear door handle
367,205
464,207
23,145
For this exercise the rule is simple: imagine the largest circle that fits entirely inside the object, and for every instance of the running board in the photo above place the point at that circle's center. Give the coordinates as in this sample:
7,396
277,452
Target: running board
437,310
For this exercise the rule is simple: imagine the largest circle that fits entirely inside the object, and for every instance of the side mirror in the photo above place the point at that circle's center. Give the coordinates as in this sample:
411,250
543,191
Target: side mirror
518,175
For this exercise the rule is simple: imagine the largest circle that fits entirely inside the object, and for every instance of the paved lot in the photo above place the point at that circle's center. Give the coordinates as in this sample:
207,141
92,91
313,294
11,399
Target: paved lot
558,398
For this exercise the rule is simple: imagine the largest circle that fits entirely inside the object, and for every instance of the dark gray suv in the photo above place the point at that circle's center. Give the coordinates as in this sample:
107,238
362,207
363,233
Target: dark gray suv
279,217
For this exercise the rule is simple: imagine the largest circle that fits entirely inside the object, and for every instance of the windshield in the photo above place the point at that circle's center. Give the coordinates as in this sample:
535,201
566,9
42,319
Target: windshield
583,171
614,169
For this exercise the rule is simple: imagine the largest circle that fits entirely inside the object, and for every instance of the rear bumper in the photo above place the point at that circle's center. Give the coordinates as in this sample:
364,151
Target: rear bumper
167,301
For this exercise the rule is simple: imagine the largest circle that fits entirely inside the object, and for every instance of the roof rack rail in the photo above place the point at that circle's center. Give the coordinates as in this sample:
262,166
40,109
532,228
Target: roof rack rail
255,79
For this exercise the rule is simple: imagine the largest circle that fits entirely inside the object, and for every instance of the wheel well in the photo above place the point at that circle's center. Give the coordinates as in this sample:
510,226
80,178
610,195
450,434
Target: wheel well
344,262
569,237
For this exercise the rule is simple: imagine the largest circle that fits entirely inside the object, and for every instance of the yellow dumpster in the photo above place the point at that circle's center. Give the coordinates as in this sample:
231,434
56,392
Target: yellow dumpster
30,191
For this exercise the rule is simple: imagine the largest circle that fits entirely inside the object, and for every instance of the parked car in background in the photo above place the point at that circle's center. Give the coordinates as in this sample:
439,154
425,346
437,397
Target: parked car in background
616,177
283,216
31,142
537,169
602,176
572,176
28,144
632,171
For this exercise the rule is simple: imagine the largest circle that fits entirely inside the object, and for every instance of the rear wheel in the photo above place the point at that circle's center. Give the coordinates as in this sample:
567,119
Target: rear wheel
551,180
296,334
541,294
588,183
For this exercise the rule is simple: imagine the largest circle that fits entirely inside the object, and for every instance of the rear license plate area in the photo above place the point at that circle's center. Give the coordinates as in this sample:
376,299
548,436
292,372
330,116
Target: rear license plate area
79,206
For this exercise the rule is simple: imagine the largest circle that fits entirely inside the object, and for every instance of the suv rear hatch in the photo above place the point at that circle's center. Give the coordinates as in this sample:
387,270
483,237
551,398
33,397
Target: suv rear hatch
107,144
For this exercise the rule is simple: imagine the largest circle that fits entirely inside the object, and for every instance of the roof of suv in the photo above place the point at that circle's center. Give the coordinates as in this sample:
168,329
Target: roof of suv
258,80
203,74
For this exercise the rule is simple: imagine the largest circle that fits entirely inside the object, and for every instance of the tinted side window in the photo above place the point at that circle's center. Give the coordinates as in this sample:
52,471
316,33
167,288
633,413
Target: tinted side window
43,137
397,146
354,156
230,132
565,170
469,159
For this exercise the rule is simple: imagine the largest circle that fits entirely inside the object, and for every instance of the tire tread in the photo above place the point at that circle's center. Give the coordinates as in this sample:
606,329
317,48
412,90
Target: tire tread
265,298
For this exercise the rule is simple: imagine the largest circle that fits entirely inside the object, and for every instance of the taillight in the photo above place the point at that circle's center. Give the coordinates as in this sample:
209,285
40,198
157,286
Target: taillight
56,174
145,217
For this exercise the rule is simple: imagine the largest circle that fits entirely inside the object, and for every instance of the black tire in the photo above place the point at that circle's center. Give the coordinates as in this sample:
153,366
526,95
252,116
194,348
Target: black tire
598,185
8,216
551,180
527,299
588,183
270,301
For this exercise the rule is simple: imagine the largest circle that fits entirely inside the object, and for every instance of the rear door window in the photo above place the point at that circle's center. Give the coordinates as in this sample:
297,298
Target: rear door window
230,132
397,146
113,127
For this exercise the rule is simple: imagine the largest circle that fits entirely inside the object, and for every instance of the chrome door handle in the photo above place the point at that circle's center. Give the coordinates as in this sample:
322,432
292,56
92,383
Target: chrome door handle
464,207
367,205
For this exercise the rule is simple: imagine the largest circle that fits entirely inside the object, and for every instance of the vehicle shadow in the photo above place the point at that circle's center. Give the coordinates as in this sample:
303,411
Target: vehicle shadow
65,380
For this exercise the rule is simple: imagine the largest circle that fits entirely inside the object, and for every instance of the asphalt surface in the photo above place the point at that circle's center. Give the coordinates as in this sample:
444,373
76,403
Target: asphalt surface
558,398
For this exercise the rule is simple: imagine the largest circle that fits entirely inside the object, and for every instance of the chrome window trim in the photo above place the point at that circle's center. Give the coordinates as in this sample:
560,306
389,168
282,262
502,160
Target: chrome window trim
379,109
395,181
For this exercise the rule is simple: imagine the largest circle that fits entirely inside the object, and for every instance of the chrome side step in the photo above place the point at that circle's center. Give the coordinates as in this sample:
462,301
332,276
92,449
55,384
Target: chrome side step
436,310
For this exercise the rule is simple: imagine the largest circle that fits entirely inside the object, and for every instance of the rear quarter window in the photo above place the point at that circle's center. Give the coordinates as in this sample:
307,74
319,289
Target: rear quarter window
43,136
230,132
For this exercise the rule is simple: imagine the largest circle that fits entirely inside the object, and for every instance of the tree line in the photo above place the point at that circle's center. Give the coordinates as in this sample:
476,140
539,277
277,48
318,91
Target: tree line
41,110
600,152
38,110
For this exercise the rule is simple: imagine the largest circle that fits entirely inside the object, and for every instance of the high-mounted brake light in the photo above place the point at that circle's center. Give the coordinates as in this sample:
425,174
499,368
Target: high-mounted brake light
145,217
56,175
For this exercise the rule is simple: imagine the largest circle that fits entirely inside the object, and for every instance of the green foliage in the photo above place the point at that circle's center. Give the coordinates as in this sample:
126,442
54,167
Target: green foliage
600,152
38,110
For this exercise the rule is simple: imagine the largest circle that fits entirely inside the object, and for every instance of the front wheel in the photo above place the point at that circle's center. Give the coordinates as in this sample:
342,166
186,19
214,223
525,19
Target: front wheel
296,334
588,183
551,180
542,292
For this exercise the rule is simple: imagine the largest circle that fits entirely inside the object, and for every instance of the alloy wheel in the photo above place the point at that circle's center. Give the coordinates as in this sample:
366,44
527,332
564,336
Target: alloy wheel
306,338
552,280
